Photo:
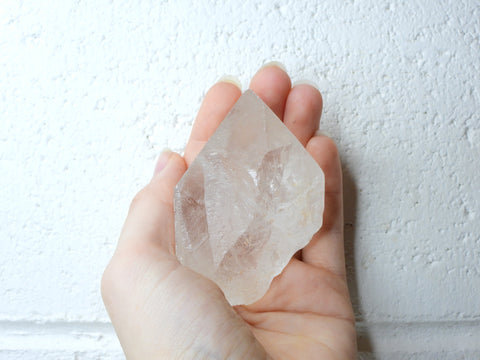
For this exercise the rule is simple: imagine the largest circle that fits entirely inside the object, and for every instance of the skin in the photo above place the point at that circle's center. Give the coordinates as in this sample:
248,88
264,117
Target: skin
162,310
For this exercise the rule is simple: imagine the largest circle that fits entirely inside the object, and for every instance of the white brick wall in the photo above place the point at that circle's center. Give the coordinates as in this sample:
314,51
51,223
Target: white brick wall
91,91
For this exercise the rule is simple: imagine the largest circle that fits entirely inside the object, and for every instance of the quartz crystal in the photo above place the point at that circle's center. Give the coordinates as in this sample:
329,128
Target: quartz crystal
248,202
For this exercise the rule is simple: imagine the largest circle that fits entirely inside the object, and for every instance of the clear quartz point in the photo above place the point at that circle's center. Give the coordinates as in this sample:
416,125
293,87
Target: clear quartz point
248,202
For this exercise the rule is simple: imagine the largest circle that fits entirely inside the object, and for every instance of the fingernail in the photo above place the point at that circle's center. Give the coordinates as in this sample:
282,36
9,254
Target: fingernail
162,160
322,133
306,82
274,63
231,80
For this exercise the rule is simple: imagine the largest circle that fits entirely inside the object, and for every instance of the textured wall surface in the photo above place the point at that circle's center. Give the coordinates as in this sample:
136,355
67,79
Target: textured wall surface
92,91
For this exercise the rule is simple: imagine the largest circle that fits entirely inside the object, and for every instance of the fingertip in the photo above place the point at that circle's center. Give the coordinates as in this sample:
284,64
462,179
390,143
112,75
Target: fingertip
323,139
272,84
177,162
323,149
325,152
174,165
228,88
162,161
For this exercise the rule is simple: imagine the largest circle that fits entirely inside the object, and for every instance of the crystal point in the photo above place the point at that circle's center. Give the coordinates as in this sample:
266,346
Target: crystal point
248,202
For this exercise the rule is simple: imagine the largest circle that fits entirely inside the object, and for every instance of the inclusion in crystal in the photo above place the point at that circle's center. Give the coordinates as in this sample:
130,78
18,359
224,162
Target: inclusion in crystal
251,199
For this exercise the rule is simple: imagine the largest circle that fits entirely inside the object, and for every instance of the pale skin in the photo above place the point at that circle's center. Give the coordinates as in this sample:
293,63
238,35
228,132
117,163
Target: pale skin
162,310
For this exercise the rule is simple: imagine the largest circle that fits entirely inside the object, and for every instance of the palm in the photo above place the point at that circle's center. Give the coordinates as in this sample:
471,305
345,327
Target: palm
306,312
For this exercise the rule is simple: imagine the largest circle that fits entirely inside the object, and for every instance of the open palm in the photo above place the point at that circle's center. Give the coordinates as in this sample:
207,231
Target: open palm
162,310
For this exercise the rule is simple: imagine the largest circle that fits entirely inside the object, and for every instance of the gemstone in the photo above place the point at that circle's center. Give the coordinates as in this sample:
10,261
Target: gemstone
251,199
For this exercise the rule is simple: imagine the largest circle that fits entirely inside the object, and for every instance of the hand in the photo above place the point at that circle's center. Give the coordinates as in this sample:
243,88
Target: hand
162,310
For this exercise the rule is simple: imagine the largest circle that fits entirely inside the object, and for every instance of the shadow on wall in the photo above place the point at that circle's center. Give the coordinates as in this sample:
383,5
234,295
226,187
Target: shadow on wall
350,215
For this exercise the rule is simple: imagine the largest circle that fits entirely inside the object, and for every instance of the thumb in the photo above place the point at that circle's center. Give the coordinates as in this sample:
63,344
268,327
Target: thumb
150,220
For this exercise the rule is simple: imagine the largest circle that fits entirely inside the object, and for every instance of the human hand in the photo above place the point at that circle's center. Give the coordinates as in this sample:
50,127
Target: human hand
162,310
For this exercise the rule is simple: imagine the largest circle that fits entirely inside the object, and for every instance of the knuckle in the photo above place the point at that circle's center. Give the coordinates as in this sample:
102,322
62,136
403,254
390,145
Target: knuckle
107,284
115,279
139,198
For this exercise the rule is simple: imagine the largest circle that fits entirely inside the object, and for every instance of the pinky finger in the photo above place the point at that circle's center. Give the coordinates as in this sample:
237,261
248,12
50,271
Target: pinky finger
326,249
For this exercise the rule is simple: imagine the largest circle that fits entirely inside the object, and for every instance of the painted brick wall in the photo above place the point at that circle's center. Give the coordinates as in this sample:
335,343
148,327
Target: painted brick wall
92,91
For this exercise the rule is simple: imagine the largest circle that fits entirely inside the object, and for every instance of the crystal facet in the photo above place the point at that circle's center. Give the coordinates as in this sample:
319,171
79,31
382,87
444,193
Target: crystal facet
248,202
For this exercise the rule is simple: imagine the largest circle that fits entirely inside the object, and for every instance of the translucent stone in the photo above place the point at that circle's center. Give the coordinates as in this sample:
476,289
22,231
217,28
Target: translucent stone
248,202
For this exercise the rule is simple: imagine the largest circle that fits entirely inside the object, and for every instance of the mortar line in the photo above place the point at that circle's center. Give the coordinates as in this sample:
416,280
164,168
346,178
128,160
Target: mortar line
97,325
